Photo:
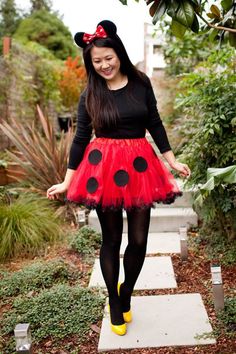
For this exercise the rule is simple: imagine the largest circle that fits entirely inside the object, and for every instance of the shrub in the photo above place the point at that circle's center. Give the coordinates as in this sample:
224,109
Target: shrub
48,30
35,277
208,105
59,312
44,159
85,241
182,55
27,225
72,82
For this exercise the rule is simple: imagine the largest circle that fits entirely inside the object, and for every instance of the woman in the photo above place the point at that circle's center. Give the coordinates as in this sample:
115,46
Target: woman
118,169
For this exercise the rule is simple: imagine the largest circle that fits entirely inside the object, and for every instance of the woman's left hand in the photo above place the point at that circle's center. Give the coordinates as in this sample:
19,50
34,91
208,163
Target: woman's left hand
182,169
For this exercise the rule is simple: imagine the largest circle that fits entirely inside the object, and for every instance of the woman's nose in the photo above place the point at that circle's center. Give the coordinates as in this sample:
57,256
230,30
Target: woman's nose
105,65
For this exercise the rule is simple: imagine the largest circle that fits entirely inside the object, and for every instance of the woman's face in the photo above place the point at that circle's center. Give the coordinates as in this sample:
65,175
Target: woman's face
106,62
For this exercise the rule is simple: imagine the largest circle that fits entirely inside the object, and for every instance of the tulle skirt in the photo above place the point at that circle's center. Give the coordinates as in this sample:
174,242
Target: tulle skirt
122,173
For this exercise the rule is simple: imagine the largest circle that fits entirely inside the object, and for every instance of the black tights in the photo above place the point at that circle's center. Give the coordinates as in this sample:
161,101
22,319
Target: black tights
112,228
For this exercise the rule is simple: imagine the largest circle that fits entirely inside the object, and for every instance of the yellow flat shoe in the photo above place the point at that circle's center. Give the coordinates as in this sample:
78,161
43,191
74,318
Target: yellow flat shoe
127,315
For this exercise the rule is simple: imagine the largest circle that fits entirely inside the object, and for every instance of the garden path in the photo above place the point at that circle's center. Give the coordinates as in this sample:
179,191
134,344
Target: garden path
162,320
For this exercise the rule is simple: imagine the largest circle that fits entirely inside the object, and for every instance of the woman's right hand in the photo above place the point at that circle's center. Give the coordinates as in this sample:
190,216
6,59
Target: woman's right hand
52,192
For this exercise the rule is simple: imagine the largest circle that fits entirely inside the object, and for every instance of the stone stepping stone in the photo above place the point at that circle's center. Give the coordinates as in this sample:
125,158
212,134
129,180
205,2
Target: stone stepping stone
158,321
161,242
163,219
171,219
157,273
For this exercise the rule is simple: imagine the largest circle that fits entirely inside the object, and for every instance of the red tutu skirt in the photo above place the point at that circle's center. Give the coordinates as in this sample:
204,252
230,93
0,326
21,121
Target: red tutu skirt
122,173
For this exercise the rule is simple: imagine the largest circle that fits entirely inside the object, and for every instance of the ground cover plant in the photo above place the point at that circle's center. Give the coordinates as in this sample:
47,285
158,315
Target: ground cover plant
85,241
35,277
55,313
49,296
56,309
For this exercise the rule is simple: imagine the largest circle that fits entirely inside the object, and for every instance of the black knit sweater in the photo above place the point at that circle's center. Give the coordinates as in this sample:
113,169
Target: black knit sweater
136,104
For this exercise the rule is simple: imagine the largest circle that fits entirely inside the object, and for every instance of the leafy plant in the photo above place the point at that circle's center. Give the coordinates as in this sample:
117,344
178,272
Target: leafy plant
27,225
34,81
10,18
45,85
59,312
40,4
182,56
35,277
48,30
208,105
215,177
43,158
72,82
85,241
185,15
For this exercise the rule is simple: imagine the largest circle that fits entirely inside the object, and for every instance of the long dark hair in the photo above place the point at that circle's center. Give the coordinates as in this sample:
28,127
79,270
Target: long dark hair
99,99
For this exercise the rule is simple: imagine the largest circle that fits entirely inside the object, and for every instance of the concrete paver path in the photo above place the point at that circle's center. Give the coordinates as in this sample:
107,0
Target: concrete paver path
161,242
157,273
164,320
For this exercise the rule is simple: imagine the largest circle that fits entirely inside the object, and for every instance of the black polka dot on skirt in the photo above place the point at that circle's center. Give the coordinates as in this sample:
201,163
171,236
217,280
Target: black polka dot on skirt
121,178
92,185
95,157
140,164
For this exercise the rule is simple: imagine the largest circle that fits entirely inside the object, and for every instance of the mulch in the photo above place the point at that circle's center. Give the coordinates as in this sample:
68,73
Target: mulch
193,276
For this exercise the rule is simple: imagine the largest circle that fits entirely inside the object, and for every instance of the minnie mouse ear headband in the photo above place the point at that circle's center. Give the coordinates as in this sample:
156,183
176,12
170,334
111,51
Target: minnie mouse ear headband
104,29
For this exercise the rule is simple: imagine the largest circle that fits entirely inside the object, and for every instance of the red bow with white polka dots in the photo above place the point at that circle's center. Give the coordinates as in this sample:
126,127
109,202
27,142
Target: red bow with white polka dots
100,33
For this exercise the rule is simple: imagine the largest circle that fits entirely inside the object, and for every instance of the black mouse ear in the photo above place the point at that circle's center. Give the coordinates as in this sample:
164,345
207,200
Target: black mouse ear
78,38
109,27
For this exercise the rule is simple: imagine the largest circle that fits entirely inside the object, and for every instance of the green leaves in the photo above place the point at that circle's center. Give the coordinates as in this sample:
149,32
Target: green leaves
215,177
60,312
85,241
48,30
161,8
177,29
195,24
208,109
34,277
27,226
227,4
45,158
182,14
185,14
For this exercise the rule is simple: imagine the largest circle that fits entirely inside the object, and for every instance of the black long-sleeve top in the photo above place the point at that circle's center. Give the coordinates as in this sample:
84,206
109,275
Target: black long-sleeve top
136,104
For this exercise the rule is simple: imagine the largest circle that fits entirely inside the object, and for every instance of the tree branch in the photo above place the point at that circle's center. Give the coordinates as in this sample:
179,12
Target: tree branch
233,30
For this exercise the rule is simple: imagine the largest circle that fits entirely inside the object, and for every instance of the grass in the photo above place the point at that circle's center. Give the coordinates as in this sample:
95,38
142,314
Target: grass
27,225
